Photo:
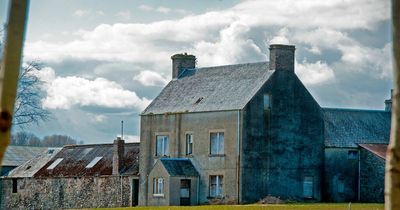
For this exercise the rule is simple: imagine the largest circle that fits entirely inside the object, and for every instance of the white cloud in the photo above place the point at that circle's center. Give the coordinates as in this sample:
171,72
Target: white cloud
146,7
96,118
126,15
314,73
131,138
82,12
65,92
150,78
87,12
164,10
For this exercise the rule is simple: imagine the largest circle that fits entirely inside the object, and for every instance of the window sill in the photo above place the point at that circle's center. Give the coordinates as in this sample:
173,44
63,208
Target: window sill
216,197
158,195
189,155
216,155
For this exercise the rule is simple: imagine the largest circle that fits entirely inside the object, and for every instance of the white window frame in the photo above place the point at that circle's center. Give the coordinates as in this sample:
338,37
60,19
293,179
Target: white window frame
219,186
158,186
164,150
220,136
189,144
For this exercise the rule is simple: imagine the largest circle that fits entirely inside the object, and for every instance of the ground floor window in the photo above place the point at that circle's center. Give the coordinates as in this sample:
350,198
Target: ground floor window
158,186
216,186
308,186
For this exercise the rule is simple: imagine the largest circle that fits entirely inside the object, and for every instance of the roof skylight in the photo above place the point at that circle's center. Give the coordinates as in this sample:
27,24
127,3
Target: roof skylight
93,162
55,163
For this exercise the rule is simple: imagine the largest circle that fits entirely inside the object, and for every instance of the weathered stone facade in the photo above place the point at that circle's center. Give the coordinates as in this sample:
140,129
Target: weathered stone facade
61,193
341,175
372,177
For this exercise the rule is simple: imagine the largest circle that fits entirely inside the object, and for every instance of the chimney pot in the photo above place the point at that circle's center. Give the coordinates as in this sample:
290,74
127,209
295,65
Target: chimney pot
180,62
281,57
118,155
388,102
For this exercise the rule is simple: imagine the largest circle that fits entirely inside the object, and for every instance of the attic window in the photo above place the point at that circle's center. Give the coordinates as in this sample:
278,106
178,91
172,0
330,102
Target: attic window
93,162
199,100
55,163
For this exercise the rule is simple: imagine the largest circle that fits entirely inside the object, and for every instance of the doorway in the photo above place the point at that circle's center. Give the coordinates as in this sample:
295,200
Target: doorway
185,192
135,192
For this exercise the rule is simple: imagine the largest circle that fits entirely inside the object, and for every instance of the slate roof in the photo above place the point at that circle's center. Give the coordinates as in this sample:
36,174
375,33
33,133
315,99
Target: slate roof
17,155
179,167
377,149
349,127
75,158
211,89
29,168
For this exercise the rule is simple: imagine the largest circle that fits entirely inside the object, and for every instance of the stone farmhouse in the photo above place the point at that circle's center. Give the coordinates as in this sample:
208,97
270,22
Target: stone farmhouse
76,176
230,134
238,133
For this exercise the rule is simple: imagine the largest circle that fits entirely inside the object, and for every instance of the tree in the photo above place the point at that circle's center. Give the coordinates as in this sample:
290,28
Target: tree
23,138
28,107
57,141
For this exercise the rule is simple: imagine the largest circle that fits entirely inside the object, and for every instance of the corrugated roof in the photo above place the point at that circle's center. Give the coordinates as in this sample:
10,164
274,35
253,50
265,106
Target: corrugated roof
179,167
17,155
211,89
349,127
29,168
75,158
377,149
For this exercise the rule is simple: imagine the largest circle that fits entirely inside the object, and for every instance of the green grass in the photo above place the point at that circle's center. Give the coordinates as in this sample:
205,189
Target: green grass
317,206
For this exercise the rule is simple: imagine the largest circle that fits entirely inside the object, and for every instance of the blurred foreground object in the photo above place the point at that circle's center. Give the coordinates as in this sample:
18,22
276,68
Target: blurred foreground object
10,66
392,179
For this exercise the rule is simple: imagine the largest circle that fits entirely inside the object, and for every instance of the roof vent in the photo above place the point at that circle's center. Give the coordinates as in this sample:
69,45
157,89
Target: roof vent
199,100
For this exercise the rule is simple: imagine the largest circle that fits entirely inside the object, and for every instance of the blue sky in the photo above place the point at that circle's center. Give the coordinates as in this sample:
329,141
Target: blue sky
106,60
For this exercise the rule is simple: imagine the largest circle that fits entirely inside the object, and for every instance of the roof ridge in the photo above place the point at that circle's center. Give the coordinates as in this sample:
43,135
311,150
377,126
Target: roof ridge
229,65
353,109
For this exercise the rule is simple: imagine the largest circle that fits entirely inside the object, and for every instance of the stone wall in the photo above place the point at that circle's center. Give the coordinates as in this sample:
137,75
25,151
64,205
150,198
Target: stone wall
283,144
341,175
60,193
372,177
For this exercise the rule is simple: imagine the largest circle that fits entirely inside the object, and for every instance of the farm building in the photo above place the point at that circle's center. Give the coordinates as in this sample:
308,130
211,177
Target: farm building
77,176
238,133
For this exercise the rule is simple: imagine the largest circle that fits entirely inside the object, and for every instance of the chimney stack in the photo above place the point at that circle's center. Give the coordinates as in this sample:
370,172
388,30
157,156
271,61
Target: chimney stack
281,57
181,62
118,155
388,102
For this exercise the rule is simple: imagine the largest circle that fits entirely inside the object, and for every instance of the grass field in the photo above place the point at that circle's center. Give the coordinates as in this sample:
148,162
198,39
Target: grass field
319,206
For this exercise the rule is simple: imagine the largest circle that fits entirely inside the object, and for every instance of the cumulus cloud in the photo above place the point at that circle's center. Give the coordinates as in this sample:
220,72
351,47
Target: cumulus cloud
314,73
150,78
146,7
66,92
86,12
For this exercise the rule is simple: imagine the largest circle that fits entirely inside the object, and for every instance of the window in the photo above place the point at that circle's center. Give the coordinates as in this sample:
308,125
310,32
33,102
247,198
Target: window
267,102
15,185
217,143
158,186
93,162
162,146
189,144
352,154
216,186
308,186
55,163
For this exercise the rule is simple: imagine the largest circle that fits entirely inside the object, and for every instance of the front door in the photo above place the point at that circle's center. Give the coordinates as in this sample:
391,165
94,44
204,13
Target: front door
185,192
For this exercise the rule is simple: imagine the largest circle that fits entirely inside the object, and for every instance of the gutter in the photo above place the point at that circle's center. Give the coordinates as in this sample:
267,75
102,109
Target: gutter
238,156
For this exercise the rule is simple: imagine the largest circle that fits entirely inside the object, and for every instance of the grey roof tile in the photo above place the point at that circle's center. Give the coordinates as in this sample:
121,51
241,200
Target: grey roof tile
349,127
17,155
179,167
211,89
